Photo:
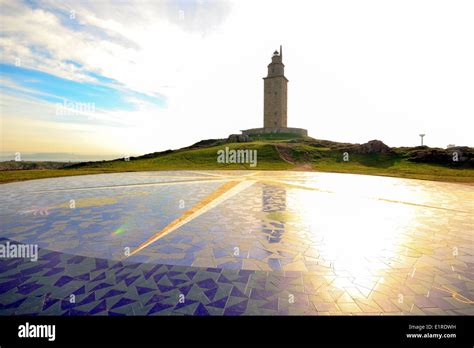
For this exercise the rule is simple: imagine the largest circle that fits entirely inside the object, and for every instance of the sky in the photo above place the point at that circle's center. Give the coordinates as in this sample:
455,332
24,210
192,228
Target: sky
118,78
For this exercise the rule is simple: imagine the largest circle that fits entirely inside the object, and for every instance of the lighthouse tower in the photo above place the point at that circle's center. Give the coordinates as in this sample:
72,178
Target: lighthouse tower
275,93
275,96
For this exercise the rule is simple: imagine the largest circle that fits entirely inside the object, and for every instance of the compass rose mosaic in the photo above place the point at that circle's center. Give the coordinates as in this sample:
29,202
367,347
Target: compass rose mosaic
236,243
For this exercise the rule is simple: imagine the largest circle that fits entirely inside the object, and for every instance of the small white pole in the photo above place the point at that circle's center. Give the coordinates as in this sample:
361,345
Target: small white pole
422,135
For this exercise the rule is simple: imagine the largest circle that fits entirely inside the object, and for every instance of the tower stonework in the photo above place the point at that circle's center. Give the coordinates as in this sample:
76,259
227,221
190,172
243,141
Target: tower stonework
275,101
275,94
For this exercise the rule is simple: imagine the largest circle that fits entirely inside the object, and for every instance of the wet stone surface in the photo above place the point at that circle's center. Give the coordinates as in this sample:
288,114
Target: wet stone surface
237,243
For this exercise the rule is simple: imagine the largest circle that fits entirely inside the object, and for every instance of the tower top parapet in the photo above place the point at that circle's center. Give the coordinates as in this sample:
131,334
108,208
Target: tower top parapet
276,67
278,56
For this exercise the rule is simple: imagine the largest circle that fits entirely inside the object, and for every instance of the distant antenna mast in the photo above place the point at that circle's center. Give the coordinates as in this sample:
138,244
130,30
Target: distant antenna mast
281,52
422,135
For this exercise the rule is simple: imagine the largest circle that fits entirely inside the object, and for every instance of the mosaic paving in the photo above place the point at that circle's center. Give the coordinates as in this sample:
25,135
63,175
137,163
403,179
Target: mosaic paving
237,243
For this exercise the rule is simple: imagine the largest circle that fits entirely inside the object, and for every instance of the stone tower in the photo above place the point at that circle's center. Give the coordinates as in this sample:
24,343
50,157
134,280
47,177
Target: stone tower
275,94
275,102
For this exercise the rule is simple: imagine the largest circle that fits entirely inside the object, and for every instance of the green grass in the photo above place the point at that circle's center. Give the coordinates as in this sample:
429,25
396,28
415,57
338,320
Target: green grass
268,159
302,156
394,166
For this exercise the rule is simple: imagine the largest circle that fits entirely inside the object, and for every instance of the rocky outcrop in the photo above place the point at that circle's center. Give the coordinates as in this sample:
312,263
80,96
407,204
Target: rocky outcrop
372,147
238,138
460,155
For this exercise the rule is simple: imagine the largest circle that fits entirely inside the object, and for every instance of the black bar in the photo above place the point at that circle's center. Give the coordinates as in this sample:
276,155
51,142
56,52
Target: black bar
298,330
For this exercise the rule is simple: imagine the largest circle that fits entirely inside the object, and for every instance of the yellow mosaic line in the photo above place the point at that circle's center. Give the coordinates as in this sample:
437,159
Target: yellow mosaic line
163,183
252,174
213,174
281,183
181,177
224,192
455,295
420,205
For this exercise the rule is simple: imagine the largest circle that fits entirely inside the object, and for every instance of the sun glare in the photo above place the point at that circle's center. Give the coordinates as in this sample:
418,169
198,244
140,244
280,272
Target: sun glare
352,229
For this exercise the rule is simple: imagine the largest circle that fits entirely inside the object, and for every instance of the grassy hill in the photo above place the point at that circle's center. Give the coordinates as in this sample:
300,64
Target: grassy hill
278,152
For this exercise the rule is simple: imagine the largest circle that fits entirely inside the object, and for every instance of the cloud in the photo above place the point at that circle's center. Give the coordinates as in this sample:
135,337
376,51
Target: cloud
357,71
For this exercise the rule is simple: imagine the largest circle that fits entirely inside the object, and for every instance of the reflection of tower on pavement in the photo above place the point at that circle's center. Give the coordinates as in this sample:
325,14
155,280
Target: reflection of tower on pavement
274,204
